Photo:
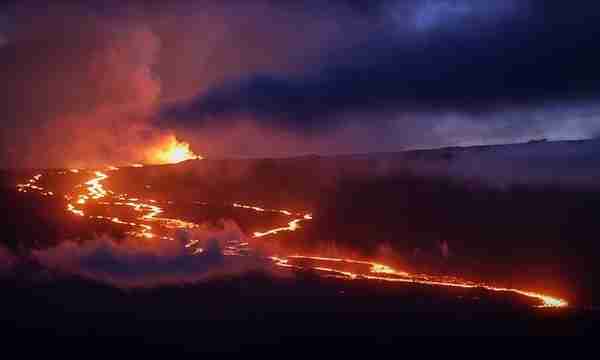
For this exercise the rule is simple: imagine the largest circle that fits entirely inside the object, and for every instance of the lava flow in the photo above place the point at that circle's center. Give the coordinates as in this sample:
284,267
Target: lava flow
149,211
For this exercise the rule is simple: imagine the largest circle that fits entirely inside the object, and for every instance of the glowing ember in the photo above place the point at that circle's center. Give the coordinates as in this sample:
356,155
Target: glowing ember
172,152
343,268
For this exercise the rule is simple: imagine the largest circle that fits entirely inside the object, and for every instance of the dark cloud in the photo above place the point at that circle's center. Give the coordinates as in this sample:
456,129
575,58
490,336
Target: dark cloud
547,54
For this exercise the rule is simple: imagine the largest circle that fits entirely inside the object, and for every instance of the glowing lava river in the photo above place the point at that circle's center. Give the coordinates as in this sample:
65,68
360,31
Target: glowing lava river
148,223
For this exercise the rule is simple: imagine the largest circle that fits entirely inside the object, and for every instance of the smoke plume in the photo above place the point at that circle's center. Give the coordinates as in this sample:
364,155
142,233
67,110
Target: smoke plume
134,262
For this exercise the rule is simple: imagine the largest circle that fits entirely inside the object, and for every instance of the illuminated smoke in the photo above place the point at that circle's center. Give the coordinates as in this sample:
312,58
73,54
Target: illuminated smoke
92,81
93,94
137,262
91,87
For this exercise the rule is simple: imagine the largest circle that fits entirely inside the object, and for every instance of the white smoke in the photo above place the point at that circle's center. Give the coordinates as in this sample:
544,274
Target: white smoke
141,262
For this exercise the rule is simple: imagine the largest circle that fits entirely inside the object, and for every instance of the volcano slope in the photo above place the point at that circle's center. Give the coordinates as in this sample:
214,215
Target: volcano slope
419,211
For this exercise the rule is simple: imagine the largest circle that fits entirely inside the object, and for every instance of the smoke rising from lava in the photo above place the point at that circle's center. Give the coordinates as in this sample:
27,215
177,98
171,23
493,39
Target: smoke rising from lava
92,79
138,262
88,87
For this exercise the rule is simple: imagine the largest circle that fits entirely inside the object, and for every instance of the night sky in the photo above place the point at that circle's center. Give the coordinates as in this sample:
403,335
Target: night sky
98,82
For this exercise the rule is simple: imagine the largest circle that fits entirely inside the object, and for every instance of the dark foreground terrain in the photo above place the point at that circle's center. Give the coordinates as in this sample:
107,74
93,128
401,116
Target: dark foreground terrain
227,314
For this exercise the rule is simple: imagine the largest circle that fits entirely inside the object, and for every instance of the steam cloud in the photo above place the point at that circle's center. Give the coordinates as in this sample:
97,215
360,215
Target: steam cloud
87,86
141,262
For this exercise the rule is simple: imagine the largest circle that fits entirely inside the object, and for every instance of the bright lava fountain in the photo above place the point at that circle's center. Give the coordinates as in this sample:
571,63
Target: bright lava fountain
172,152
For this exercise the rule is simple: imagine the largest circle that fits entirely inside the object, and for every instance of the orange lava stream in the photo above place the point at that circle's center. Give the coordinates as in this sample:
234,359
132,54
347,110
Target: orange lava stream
292,226
382,272
95,190
401,276
329,266
259,209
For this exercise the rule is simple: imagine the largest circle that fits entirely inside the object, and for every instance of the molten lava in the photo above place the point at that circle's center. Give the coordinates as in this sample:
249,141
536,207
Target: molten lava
344,268
172,152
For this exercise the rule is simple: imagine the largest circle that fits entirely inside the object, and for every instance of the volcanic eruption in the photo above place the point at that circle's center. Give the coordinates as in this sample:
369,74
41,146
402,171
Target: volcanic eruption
364,160
171,151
